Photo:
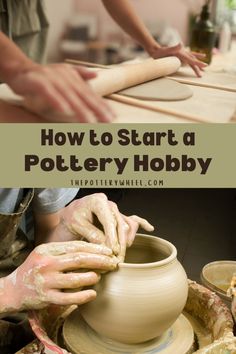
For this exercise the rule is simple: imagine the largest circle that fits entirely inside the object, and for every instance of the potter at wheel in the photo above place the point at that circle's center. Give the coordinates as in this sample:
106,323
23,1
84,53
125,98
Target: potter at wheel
80,338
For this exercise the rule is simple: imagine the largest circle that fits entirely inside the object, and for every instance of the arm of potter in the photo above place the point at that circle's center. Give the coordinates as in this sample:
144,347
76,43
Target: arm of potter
50,270
44,226
52,228
123,12
126,17
55,91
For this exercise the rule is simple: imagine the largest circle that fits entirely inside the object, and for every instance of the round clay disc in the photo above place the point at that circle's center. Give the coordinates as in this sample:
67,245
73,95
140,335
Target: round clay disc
159,90
81,339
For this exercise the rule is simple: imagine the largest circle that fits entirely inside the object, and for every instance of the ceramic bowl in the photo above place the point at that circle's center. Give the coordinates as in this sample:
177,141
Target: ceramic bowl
217,277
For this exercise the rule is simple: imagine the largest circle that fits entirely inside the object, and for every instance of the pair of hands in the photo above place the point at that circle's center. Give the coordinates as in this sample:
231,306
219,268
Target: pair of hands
64,89
71,264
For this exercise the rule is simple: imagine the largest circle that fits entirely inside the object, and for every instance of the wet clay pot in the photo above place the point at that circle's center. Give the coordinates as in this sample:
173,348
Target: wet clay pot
144,297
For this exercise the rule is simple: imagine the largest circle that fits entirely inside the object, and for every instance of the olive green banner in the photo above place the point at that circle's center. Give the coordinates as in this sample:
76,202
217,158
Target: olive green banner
118,156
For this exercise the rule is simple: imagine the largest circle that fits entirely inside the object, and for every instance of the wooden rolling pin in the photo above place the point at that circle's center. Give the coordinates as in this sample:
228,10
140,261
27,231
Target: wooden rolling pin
116,79
178,79
119,78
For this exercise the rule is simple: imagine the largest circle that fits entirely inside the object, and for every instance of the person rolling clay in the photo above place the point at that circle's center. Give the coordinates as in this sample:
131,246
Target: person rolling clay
64,88
67,243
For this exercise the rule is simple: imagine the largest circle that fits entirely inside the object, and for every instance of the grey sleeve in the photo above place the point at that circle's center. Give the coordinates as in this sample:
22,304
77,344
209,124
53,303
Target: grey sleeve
51,200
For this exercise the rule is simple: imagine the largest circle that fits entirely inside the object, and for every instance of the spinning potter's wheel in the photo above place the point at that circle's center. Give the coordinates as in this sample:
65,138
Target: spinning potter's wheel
80,338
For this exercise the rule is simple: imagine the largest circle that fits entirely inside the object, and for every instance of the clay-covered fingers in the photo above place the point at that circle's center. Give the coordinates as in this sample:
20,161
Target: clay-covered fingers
109,222
71,247
75,298
71,280
76,261
122,229
86,230
99,205
135,222
127,228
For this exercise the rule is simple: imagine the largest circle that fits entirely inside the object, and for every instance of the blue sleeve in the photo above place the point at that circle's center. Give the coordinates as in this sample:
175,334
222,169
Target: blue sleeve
51,200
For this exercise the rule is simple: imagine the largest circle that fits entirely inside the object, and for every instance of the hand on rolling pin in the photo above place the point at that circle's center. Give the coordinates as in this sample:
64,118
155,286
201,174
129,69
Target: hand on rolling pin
99,221
125,14
61,89
186,57
50,270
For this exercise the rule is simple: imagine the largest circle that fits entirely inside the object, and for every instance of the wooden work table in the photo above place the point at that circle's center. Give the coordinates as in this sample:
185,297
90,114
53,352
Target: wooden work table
209,104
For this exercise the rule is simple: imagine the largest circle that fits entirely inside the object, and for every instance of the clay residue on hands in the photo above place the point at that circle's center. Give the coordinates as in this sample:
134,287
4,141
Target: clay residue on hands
46,273
112,229
63,248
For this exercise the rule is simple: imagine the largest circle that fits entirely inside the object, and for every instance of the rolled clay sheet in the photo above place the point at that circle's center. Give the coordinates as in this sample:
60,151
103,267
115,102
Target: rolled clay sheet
119,78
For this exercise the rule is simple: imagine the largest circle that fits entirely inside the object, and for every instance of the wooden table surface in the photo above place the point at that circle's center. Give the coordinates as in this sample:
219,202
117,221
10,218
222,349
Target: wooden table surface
211,105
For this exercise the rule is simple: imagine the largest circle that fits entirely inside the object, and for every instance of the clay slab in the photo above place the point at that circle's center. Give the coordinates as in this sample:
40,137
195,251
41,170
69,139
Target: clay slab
159,90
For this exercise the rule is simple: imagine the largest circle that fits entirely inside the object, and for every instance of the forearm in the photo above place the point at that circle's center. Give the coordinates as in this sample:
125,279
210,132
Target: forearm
12,60
44,225
126,17
51,228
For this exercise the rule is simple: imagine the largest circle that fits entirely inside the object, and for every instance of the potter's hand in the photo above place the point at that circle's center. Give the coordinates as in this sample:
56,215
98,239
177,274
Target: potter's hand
187,58
116,230
60,89
52,268
127,227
